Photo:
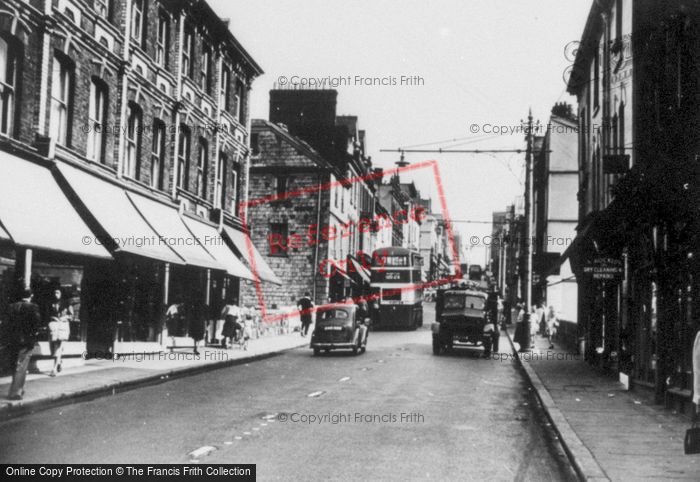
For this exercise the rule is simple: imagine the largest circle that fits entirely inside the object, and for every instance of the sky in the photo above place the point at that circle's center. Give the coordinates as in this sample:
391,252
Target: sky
483,63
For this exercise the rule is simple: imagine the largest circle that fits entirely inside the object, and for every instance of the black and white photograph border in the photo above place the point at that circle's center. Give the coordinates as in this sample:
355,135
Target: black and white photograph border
311,240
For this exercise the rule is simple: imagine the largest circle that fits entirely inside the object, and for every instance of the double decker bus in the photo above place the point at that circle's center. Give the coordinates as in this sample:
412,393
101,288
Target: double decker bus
396,273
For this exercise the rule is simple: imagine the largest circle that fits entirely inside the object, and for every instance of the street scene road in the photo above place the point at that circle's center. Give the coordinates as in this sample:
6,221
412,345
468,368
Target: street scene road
464,418
402,242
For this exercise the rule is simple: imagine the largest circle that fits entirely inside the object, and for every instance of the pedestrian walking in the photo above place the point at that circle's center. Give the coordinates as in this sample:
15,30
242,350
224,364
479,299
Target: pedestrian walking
507,312
500,307
540,319
230,313
552,325
522,337
173,321
196,323
305,306
534,324
60,315
23,324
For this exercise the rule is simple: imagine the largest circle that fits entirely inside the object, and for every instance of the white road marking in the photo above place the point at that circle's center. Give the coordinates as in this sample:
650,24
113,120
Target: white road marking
263,425
344,379
228,442
246,433
256,428
316,394
269,416
201,451
238,437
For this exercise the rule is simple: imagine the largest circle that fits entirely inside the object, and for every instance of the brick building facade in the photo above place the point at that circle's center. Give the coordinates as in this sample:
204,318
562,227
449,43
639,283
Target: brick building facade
138,111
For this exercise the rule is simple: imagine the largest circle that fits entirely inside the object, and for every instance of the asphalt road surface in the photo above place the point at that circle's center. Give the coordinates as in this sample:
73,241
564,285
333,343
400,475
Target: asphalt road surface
394,413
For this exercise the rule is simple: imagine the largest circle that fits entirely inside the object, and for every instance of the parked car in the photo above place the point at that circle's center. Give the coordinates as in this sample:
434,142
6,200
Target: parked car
338,327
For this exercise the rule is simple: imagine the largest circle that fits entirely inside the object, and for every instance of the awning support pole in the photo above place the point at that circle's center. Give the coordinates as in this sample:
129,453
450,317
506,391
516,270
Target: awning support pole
27,268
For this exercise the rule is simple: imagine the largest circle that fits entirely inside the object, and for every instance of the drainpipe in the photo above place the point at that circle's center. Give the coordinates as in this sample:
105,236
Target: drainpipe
125,89
217,141
315,266
45,55
178,99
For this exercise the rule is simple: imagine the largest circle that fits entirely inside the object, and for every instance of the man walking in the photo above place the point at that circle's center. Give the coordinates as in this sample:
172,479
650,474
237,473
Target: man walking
23,324
305,305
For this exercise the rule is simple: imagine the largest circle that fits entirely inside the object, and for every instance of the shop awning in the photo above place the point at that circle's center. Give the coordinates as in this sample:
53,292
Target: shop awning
257,263
215,244
114,212
360,270
36,213
166,221
4,235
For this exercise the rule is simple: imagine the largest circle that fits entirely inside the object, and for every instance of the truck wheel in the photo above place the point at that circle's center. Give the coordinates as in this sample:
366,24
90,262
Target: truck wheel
436,346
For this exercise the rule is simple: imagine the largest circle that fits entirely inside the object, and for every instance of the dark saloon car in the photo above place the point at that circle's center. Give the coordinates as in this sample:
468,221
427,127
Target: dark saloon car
461,317
339,326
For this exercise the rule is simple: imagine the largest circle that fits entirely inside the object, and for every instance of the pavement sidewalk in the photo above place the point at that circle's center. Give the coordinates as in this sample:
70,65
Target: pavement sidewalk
106,377
609,433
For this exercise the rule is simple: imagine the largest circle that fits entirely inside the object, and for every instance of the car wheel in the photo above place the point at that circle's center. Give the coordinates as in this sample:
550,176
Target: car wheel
317,351
363,349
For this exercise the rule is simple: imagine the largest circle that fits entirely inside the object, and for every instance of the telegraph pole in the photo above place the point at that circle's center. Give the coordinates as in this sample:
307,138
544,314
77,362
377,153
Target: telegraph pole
525,339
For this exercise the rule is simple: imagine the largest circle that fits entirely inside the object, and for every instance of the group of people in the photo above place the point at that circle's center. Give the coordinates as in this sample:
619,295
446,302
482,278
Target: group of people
237,324
543,322
23,330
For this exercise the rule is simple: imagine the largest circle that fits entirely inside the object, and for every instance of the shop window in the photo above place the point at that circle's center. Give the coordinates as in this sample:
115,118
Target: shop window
202,166
10,55
61,99
158,154
97,113
133,142
183,158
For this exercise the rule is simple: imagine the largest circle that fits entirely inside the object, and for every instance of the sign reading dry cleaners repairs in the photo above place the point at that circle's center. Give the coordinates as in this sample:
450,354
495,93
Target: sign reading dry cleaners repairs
604,269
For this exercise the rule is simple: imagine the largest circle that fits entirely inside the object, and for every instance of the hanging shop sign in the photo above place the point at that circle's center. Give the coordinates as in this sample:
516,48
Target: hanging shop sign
604,269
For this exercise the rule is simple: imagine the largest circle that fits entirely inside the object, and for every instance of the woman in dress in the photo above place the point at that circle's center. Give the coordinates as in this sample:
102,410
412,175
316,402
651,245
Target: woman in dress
230,313
60,315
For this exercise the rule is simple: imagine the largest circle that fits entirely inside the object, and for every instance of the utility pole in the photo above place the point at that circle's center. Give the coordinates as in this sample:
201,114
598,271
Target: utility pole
525,339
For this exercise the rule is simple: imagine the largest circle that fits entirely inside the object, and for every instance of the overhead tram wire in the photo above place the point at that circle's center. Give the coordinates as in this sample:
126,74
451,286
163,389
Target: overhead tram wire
458,139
